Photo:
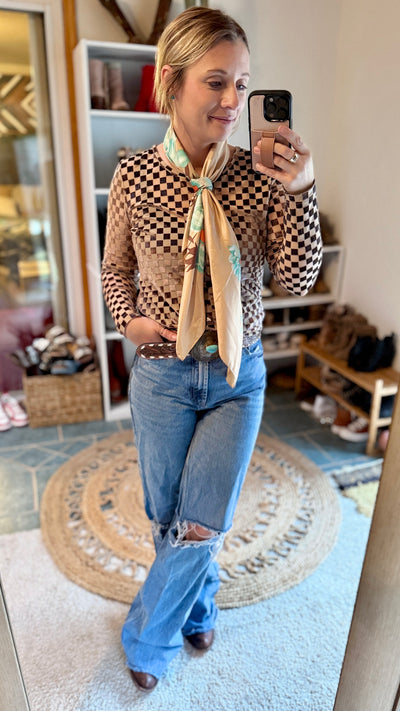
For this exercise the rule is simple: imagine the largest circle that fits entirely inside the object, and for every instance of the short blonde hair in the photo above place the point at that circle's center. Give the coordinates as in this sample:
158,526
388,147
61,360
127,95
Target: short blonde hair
185,40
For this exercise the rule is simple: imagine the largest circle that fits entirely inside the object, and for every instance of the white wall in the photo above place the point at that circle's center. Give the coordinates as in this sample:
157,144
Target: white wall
364,159
340,60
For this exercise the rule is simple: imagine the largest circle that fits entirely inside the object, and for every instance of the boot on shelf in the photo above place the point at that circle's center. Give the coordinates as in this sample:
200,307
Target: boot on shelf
116,87
118,374
146,100
96,79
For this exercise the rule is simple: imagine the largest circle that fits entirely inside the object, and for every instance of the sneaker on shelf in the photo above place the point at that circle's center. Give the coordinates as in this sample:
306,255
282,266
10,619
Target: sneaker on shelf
356,431
5,422
13,410
324,409
307,405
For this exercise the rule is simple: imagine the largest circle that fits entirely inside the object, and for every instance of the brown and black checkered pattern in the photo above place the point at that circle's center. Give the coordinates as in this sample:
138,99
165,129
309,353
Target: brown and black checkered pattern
142,270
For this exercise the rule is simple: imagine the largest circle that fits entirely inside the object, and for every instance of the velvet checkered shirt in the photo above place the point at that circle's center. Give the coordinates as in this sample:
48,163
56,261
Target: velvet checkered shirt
142,270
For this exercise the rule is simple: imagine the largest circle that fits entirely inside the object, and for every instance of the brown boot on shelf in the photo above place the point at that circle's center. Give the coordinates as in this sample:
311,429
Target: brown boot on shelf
96,78
116,87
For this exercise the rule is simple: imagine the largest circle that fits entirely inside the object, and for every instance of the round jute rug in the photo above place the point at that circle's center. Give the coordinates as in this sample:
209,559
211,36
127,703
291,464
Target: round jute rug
95,528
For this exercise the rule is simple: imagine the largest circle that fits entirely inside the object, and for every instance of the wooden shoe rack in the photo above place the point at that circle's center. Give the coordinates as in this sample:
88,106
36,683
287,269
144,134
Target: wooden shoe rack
379,384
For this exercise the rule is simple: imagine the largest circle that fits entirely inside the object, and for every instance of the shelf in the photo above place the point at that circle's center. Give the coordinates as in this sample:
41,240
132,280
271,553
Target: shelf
366,381
113,336
101,135
332,248
120,411
284,353
313,376
379,384
282,328
118,51
131,115
281,302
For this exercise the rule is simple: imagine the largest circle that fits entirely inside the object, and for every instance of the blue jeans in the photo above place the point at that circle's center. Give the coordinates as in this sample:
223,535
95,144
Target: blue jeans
195,436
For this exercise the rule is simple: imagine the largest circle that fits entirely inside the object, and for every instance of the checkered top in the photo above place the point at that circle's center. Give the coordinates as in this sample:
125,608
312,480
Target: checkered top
142,271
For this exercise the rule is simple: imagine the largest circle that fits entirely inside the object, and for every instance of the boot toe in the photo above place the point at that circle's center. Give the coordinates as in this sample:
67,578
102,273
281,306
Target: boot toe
144,681
201,640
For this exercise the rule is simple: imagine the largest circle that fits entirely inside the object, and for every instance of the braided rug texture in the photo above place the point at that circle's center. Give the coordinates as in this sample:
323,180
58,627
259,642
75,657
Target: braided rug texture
94,525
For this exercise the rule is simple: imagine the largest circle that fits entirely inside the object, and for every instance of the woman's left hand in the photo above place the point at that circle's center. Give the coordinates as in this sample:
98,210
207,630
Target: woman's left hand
297,176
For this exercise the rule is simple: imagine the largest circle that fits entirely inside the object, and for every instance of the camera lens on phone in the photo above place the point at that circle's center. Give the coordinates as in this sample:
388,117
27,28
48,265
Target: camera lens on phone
276,108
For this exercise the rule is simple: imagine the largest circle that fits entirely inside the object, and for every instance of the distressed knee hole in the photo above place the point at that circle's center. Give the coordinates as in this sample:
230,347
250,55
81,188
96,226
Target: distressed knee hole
187,533
198,533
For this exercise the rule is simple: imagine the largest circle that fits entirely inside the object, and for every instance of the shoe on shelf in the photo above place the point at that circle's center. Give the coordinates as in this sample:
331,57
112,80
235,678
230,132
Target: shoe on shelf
356,431
15,413
5,422
144,682
323,408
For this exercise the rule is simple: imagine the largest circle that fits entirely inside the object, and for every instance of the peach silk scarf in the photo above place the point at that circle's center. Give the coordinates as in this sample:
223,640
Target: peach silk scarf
208,231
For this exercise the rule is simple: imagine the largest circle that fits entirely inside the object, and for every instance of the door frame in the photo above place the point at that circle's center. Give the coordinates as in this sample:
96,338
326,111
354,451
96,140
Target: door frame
52,11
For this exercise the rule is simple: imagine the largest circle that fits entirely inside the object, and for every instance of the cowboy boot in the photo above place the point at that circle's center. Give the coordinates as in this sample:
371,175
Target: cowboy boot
116,87
146,100
96,79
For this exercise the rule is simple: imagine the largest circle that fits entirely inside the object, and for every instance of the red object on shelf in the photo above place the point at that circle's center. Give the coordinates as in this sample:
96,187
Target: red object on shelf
146,101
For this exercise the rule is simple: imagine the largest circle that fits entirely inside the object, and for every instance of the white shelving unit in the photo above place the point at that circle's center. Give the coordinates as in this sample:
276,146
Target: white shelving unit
291,311
100,135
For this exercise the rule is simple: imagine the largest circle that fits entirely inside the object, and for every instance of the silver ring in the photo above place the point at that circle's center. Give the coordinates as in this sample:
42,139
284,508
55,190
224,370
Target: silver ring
294,158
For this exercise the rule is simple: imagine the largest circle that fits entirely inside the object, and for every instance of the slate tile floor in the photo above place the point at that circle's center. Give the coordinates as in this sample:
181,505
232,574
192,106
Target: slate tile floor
28,457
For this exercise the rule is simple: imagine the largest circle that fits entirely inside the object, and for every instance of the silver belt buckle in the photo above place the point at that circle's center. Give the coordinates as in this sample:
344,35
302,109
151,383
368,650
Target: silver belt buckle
206,348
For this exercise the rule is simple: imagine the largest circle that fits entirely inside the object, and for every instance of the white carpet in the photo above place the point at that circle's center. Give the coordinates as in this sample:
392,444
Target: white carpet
282,654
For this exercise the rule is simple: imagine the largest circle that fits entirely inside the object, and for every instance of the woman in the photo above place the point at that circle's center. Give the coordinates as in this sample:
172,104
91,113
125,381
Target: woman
190,225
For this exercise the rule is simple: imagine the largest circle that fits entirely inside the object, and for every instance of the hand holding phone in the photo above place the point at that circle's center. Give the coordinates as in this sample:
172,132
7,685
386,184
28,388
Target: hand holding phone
267,110
293,166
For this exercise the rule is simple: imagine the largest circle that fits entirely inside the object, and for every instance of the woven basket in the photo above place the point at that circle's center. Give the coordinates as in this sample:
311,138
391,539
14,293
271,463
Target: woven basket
63,399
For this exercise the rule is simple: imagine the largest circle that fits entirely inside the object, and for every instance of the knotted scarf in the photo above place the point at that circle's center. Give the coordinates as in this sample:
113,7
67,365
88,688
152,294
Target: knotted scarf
208,231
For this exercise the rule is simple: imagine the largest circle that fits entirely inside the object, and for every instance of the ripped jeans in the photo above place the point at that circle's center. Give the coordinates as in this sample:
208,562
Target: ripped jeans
195,436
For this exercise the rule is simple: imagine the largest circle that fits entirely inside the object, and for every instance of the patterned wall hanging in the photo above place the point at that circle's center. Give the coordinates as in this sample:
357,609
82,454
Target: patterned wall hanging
17,105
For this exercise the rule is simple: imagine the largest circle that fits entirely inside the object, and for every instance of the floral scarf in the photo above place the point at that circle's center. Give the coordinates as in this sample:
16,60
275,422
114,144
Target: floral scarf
208,230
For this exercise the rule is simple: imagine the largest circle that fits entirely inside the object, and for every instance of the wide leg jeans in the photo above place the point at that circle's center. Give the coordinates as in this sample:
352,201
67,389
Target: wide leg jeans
195,436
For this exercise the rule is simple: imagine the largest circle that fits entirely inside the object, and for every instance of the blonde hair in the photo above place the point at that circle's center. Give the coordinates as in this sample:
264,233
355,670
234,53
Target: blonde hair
185,40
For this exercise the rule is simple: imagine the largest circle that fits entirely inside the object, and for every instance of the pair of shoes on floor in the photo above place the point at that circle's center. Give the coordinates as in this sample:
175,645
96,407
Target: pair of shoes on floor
147,682
11,413
355,431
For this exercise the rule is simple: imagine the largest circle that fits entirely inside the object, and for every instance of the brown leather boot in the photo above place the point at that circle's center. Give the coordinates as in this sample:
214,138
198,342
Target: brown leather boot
144,682
96,78
116,87
201,640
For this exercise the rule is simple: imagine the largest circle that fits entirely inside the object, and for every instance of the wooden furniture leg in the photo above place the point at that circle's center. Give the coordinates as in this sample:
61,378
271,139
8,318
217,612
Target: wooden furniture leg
299,370
374,416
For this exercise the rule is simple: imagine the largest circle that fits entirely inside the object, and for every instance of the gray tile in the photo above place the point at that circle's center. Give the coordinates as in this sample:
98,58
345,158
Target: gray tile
309,449
21,436
16,489
19,522
336,448
352,460
125,424
88,428
72,447
37,456
42,477
284,398
288,421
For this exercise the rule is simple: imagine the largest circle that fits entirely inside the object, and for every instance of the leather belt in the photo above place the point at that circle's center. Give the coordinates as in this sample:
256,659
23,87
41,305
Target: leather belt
205,350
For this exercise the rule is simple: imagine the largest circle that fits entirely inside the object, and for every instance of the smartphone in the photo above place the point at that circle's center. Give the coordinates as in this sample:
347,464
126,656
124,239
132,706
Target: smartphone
268,109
